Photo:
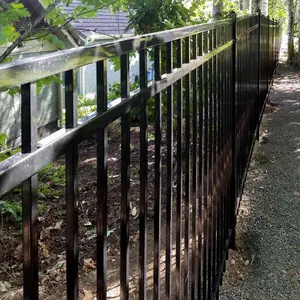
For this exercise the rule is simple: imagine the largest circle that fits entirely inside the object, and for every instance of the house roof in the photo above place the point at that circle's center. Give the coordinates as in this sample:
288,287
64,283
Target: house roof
104,24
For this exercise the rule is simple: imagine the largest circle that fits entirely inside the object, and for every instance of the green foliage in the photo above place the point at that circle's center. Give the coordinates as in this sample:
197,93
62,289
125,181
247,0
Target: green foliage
11,210
13,13
230,6
116,61
85,106
51,185
114,92
8,153
150,137
155,15
51,181
3,139
14,91
278,9
54,40
46,81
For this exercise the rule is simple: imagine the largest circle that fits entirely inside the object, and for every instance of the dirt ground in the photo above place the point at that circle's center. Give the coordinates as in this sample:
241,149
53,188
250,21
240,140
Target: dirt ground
52,235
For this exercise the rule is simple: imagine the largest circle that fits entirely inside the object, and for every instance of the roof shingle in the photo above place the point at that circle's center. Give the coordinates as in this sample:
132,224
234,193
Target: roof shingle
105,23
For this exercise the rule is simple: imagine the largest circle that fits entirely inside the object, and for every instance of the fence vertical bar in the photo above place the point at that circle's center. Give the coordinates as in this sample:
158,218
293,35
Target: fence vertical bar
268,56
29,194
125,180
169,195
179,173
210,168
205,170
102,148
224,140
215,167
220,149
143,176
72,187
233,133
218,154
273,45
200,172
194,179
187,172
258,72
157,202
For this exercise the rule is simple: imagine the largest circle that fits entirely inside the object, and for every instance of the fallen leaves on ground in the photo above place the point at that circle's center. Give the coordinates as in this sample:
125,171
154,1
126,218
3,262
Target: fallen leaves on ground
88,264
5,286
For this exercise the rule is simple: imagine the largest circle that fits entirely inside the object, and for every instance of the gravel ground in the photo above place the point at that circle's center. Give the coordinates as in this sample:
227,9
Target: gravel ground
266,264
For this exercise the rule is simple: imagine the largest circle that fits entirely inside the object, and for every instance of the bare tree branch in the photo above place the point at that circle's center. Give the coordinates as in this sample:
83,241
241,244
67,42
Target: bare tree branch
34,29
3,3
28,33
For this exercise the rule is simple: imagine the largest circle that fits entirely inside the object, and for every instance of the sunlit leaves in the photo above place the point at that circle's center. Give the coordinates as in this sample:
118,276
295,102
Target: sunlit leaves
46,81
154,15
14,91
3,138
53,39
56,17
278,9
9,16
8,34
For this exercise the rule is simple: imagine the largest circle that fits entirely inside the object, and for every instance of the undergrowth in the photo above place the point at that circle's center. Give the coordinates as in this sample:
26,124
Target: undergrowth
51,182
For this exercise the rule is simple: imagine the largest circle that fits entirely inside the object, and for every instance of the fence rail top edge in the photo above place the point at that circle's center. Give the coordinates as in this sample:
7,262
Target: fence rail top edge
32,69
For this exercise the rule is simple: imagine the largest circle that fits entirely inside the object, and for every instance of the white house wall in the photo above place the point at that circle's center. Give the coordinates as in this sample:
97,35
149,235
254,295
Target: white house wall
88,76
10,108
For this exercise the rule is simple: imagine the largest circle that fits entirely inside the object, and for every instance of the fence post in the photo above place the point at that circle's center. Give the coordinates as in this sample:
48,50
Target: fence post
274,45
268,56
233,132
258,72
29,195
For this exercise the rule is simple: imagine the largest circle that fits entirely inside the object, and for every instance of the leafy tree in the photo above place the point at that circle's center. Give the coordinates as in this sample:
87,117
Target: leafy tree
18,26
278,9
155,15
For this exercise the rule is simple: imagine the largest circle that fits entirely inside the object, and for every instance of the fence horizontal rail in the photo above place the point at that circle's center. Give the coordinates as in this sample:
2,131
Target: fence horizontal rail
20,72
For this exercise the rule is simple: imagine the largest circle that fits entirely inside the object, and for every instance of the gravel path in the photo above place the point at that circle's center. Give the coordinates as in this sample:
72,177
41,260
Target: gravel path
266,264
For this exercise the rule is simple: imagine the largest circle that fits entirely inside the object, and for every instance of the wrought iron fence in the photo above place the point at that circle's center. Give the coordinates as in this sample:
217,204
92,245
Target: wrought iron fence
215,96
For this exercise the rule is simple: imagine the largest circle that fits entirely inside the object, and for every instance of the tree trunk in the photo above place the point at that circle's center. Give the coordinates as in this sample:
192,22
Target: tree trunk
246,5
217,9
265,7
298,34
250,6
256,5
291,17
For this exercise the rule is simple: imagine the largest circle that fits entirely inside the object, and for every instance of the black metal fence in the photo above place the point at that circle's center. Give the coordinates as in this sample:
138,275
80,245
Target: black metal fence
215,95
